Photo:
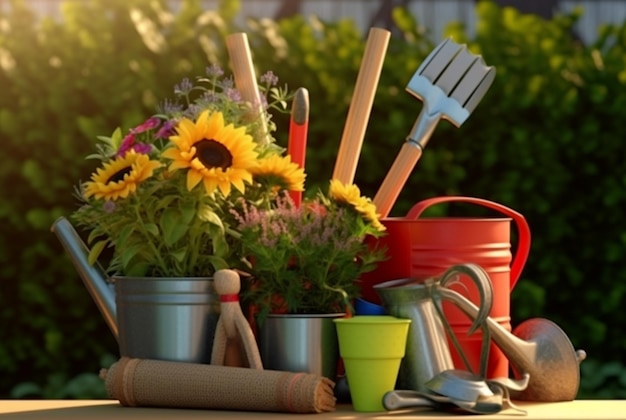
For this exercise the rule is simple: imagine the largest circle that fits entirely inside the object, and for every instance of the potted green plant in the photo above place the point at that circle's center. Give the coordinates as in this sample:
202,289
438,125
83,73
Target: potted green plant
304,261
162,195
161,202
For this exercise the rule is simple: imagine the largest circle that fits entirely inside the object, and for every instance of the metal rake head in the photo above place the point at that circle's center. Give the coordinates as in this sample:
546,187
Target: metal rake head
451,81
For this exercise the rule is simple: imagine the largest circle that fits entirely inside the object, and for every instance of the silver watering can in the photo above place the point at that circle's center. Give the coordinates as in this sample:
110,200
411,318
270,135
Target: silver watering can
427,353
537,349
152,318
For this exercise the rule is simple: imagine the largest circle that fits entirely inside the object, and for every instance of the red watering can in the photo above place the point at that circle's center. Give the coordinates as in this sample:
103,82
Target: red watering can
423,247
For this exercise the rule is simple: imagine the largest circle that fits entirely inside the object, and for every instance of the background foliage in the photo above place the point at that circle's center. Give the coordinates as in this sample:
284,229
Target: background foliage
546,141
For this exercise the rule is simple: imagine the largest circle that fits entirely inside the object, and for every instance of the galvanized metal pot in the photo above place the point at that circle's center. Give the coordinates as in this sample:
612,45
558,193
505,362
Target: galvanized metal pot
170,319
300,343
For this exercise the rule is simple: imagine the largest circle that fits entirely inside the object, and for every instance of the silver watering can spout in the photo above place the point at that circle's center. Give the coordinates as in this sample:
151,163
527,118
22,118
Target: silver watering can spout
537,347
94,277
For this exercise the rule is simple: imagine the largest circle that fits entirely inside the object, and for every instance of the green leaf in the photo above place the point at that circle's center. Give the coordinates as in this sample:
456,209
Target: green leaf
211,217
220,245
622,376
128,253
217,262
179,255
137,269
152,229
26,390
116,138
188,212
93,235
172,226
95,251
125,233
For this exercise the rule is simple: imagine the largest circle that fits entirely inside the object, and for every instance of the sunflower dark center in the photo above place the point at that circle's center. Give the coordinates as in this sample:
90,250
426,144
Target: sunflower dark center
119,175
213,154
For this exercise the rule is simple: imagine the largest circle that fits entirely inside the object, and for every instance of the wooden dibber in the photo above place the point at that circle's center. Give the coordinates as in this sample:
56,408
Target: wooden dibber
361,105
233,336
245,78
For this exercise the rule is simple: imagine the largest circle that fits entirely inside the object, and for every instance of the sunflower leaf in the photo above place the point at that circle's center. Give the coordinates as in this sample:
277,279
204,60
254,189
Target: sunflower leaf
128,254
179,255
152,229
125,233
165,202
211,217
137,269
217,262
188,212
172,226
220,246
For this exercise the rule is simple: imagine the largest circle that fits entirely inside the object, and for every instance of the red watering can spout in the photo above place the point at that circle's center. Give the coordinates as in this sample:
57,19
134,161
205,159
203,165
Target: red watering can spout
523,243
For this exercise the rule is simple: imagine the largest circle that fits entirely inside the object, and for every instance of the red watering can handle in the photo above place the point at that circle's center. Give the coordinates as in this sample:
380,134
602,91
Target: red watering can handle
523,245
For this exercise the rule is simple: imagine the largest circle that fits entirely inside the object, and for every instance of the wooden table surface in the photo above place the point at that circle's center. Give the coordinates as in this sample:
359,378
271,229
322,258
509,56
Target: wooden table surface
109,409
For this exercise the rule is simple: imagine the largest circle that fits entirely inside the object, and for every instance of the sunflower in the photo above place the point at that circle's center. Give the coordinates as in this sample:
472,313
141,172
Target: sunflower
280,172
219,155
351,195
120,176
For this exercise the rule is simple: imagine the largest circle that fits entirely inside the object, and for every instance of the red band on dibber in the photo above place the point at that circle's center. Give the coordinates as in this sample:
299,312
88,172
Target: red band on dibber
229,298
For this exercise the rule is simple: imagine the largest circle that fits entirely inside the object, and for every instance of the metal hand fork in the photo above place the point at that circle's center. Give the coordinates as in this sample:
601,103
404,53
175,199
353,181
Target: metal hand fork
451,82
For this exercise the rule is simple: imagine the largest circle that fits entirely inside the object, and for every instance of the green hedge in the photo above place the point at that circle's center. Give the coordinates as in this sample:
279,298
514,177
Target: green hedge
546,141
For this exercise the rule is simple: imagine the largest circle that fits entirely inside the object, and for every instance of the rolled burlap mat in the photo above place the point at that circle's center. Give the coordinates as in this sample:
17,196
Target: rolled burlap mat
155,383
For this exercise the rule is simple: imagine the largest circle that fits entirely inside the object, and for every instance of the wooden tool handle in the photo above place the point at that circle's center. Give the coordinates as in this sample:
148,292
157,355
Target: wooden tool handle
360,105
396,178
245,78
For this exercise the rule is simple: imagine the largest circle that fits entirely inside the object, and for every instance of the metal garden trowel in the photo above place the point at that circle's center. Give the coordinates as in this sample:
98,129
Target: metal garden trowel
451,82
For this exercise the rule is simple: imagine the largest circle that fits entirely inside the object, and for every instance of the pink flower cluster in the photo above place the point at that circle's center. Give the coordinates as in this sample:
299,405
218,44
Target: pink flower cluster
308,225
130,142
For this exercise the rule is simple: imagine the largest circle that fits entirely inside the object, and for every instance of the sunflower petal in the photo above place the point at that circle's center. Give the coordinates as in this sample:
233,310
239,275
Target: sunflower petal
210,185
193,178
224,188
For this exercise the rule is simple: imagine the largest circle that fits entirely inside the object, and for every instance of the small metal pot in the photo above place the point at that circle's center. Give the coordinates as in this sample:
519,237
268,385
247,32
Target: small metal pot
300,343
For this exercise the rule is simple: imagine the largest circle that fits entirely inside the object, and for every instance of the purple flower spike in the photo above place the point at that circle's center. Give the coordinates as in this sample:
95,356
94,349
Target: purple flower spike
233,94
211,97
269,78
227,84
214,71
170,107
184,87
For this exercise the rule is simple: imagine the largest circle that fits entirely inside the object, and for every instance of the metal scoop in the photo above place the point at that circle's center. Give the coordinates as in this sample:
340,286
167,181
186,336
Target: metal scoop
451,82
404,399
459,390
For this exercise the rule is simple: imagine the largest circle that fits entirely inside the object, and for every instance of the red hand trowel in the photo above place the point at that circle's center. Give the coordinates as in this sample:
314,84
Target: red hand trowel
451,82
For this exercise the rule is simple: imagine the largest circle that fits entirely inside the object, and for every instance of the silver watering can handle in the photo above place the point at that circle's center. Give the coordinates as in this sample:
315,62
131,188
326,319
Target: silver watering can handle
485,288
